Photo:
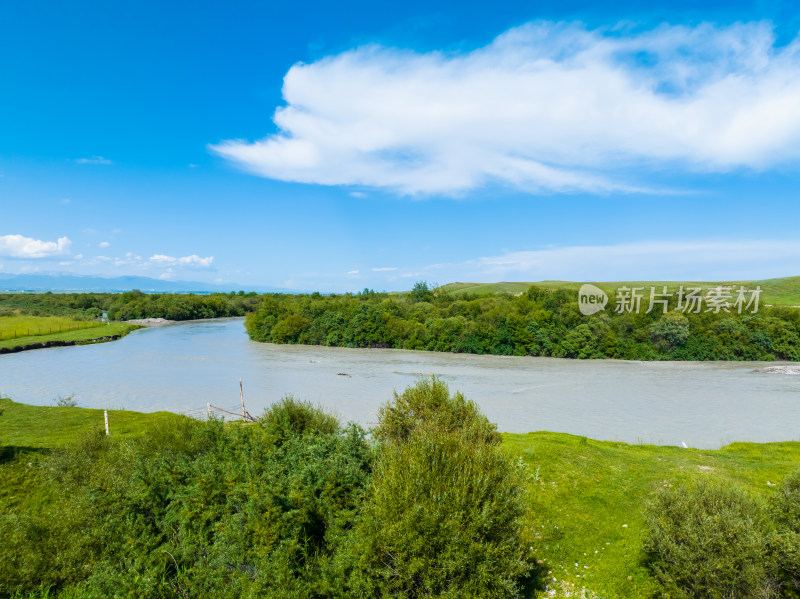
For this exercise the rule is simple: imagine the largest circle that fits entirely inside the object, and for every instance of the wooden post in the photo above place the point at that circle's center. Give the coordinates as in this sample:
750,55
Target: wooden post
241,396
105,414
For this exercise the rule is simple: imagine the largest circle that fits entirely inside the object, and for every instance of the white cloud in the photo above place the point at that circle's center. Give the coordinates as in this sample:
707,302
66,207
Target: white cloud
384,269
545,106
78,256
65,200
104,244
352,272
189,261
17,246
646,261
94,160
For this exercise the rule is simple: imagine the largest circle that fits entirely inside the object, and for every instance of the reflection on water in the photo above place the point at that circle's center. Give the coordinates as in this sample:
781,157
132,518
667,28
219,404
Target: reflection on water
183,366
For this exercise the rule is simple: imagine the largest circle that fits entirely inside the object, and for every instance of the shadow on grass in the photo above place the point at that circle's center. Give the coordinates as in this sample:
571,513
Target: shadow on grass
535,580
10,453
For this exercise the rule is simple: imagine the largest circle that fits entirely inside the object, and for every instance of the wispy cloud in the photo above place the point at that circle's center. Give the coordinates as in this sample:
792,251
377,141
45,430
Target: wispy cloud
656,260
187,261
104,244
17,246
94,160
384,269
546,106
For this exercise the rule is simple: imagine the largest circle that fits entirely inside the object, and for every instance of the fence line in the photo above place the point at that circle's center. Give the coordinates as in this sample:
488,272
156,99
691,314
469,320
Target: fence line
26,332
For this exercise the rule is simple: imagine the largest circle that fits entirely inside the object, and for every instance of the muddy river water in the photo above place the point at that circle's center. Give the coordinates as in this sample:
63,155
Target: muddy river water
181,367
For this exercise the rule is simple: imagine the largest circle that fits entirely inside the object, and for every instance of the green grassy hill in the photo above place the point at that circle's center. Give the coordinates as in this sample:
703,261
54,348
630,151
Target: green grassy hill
776,292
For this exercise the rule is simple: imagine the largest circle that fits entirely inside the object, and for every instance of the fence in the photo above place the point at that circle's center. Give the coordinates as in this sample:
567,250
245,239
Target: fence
212,411
28,332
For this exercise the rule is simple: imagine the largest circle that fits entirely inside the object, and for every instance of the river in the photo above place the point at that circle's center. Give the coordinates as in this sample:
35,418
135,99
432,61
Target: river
181,367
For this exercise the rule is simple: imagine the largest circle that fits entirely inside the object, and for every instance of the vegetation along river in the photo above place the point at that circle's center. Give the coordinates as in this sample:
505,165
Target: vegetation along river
181,367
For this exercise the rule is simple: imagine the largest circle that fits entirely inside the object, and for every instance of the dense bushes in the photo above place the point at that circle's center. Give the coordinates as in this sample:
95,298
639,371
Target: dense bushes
194,509
296,505
445,511
786,543
132,304
539,322
429,406
711,539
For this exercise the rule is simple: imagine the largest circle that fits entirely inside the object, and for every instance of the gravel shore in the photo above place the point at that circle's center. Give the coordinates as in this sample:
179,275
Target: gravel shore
151,321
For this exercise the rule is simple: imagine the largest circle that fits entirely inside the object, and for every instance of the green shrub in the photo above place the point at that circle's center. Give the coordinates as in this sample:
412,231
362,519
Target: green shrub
786,543
786,502
670,330
65,401
444,514
709,539
290,417
429,404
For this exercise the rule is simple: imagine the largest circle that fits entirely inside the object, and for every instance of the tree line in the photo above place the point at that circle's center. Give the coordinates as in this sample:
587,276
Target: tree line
131,305
539,322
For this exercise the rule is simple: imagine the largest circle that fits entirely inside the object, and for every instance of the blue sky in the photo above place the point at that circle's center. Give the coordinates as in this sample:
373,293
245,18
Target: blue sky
337,146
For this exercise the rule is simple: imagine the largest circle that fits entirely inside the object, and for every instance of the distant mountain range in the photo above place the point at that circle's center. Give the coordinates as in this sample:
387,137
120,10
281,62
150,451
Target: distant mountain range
69,282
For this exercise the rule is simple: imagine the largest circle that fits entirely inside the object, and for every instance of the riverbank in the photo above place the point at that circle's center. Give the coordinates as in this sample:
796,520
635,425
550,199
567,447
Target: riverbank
100,334
587,497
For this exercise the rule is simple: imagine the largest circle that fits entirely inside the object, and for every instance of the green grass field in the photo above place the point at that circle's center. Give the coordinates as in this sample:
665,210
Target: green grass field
49,427
587,497
24,330
776,292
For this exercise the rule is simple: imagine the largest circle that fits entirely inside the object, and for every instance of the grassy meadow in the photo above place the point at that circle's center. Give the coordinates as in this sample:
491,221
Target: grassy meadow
18,329
50,427
586,497
777,292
